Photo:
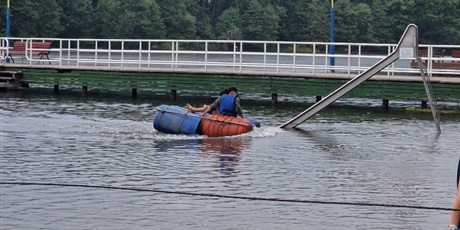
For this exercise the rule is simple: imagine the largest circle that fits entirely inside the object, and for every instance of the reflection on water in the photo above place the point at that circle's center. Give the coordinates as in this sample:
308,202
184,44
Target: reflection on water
227,150
174,144
344,153
323,141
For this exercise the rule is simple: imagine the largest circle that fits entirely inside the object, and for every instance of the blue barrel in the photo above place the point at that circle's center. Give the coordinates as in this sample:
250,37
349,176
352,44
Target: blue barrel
253,121
176,120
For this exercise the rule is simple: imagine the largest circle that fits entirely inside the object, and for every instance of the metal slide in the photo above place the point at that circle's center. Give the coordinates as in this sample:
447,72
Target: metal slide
407,48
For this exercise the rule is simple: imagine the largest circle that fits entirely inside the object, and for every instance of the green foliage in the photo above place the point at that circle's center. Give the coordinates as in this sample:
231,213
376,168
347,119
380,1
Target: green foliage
379,21
228,26
400,14
179,23
32,18
355,21
77,19
128,19
204,28
438,21
318,27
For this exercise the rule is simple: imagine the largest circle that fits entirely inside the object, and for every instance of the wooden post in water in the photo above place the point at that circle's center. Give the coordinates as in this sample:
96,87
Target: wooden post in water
174,94
274,98
424,105
386,104
56,89
134,93
84,89
318,98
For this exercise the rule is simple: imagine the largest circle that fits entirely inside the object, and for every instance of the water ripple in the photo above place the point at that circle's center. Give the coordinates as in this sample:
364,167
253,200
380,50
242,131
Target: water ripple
349,155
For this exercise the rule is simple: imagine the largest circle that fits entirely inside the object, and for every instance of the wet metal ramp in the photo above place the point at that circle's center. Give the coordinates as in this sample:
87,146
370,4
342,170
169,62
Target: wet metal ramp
406,49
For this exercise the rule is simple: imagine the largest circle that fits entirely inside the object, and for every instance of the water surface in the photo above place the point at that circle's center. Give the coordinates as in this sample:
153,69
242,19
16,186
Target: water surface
351,152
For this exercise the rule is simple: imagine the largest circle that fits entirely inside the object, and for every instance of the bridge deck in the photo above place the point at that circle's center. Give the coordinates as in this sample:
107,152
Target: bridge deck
336,75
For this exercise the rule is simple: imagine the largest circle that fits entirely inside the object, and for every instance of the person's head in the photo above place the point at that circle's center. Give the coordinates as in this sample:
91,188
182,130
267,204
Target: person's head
232,89
224,91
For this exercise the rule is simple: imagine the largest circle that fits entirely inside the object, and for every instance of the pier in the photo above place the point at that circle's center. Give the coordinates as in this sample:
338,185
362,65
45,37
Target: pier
179,67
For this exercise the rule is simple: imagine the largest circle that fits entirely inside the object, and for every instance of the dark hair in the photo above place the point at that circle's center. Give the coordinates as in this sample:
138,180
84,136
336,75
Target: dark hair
224,91
232,89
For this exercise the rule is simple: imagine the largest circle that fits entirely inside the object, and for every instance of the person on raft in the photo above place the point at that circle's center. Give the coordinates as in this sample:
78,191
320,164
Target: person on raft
228,104
204,107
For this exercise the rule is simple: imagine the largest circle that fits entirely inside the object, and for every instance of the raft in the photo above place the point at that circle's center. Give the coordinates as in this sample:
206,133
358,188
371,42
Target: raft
177,120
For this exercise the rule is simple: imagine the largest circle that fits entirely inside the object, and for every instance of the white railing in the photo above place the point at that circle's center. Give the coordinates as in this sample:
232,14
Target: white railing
234,56
4,49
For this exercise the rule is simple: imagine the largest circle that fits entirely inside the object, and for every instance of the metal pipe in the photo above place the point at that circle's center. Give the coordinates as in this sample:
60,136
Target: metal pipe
332,47
8,24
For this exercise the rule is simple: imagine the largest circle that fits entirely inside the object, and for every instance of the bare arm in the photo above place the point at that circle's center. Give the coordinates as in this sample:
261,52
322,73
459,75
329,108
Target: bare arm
455,215
214,105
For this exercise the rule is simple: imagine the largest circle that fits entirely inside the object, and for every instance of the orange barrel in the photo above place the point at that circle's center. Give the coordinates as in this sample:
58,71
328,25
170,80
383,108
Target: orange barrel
217,125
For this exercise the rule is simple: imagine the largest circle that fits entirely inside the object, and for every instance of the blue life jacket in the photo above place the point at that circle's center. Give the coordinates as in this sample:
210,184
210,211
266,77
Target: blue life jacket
227,105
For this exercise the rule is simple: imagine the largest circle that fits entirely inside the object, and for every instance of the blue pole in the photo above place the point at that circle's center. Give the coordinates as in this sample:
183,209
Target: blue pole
7,22
332,47
8,25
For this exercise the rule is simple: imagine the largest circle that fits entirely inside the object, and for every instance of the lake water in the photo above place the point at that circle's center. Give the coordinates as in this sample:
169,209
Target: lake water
351,152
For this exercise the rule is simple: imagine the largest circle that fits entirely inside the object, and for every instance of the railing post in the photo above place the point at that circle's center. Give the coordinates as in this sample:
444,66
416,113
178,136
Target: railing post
234,55
140,54
206,56
122,56
277,57
241,57
314,58
78,51
430,61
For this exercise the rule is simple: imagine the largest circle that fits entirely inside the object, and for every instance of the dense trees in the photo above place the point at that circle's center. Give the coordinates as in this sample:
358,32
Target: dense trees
381,21
126,19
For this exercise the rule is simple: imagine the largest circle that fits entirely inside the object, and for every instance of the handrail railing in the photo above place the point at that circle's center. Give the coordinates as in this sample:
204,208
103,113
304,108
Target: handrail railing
4,50
236,56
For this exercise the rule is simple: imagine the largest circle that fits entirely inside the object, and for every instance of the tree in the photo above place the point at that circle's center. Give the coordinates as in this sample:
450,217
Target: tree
380,25
203,22
129,19
260,23
3,20
228,26
217,7
377,21
318,27
293,23
400,14
35,18
363,18
305,21
353,22
77,19
438,21
179,23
